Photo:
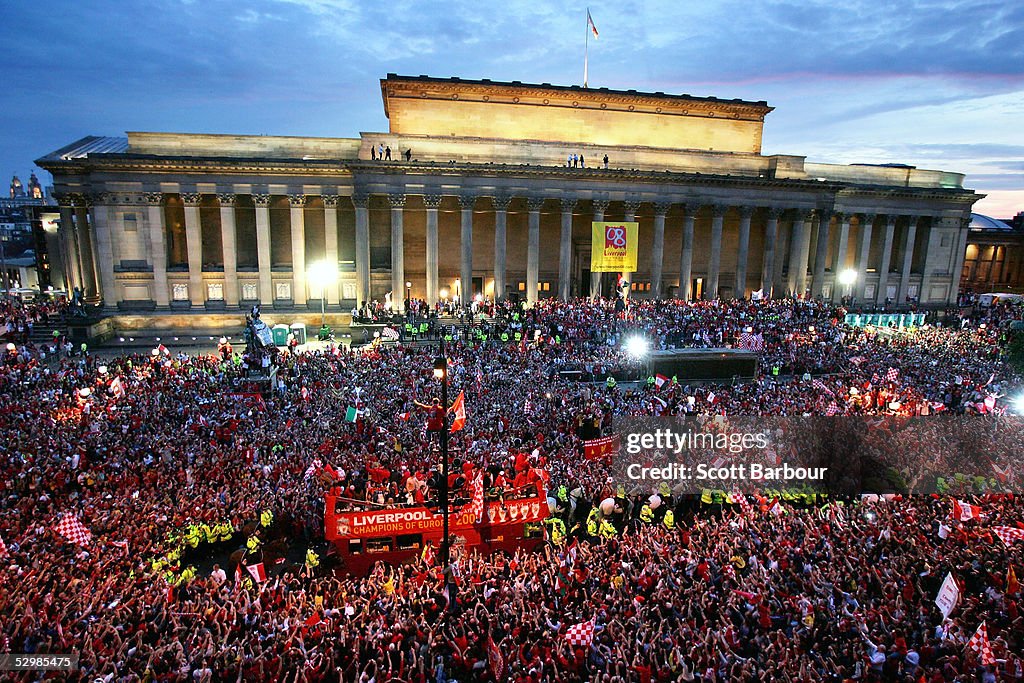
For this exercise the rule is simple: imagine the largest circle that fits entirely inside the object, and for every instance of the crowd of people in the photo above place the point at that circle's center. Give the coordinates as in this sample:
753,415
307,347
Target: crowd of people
172,472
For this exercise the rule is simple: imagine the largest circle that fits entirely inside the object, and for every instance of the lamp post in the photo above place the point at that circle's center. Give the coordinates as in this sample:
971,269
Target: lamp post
441,373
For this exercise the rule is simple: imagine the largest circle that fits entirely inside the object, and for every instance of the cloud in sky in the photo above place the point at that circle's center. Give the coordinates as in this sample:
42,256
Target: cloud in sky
935,83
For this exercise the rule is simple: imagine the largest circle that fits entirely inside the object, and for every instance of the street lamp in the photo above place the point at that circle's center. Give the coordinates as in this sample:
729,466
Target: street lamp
441,373
322,274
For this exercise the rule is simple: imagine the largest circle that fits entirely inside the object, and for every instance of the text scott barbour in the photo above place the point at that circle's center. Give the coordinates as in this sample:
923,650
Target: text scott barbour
735,473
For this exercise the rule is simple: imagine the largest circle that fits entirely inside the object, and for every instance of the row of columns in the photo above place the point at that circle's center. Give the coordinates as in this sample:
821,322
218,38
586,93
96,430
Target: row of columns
80,213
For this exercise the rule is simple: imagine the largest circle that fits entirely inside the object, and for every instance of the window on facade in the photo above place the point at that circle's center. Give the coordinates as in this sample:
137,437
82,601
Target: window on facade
409,541
130,223
379,545
522,286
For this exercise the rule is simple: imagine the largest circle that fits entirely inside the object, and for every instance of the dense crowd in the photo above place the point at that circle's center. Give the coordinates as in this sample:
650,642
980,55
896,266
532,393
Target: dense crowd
145,450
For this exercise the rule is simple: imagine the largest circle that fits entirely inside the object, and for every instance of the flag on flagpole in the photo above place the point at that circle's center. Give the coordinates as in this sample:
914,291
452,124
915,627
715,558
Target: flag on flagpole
581,634
459,410
73,530
979,644
590,23
117,387
660,380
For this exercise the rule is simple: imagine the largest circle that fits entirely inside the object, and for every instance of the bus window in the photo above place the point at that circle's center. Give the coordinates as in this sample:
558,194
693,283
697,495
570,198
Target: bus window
533,530
379,545
355,546
409,542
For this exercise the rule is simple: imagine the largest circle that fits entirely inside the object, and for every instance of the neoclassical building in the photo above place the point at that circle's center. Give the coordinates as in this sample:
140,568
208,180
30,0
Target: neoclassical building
477,193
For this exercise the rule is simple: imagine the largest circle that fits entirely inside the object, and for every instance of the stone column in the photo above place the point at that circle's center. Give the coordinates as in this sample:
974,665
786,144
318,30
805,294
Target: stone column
466,203
360,202
686,253
838,265
157,248
565,250
715,257
100,219
658,248
227,238
398,290
84,228
867,221
501,203
432,201
69,244
630,207
928,265
908,260
821,253
297,203
331,243
262,204
799,253
958,258
194,243
883,271
533,249
771,230
600,206
742,252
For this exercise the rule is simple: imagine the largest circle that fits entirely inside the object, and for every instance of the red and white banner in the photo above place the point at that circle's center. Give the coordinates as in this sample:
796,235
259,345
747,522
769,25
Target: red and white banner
601,448
979,644
459,410
258,571
581,634
963,512
73,530
948,597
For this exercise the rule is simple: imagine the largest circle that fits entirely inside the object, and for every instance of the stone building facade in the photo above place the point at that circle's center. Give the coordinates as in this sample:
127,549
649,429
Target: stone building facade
477,193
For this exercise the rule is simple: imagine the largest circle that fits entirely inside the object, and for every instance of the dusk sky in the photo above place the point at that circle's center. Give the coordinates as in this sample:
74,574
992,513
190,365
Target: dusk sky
936,83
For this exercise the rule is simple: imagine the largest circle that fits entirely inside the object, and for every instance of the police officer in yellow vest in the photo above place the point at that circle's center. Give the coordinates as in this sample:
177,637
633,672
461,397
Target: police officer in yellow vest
266,518
252,544
607,529
592,521
312,559
557,530
669,520
192,537
646,514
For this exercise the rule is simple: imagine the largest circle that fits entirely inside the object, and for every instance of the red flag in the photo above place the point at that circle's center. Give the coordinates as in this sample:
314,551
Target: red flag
581,634
590,23
258,572
600,448
964,511
495,659
979,643
1012,585
73,530
1008,534
459,409
660,380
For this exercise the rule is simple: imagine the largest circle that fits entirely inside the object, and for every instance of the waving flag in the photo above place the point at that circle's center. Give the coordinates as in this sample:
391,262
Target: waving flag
963,512
948,597
459,410
117,387
258,572
73,530
581,634
1008,534
590,23
892,374
495,659
979,644
660,380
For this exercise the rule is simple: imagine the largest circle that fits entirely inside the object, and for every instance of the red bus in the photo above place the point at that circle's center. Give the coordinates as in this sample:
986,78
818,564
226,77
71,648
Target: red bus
398,535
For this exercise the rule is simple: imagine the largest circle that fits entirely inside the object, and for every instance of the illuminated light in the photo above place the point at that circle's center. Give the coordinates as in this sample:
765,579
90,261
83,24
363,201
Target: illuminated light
122,340
443,293
847,277
637,347
408,285
131,339
175,339
1018,404
158,338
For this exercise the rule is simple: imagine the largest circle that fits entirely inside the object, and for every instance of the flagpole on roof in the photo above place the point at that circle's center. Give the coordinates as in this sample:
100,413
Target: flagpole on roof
586,50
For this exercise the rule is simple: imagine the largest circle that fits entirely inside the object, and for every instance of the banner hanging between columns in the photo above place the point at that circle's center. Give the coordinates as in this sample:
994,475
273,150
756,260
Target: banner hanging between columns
614,246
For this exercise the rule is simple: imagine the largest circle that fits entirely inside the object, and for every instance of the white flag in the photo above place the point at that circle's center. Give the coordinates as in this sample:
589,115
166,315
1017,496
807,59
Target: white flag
948,597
